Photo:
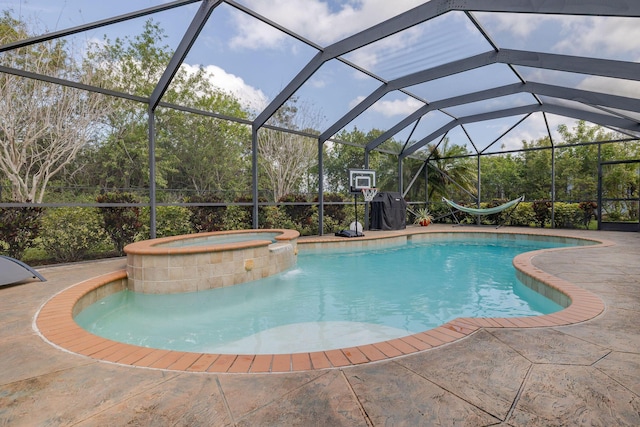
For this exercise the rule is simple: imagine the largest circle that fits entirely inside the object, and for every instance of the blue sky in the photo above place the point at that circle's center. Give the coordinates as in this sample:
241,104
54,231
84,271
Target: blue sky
255,62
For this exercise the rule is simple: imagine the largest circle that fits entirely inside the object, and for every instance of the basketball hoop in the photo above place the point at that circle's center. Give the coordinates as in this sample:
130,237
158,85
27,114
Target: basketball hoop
369,193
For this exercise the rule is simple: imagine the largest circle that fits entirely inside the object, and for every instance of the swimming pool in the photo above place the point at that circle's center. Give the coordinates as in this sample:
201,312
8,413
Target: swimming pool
331,300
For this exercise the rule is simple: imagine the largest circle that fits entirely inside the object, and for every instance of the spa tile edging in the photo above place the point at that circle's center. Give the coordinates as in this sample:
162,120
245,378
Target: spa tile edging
55,323
154,246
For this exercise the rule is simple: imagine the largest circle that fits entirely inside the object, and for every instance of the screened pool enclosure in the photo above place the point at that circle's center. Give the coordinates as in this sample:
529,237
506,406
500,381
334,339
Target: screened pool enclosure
486,75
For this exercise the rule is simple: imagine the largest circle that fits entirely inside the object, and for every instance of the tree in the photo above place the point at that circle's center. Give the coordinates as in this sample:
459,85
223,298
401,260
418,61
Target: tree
536,169
134,66
577,166
286,158
339,158
213,155
43,125
192,151
450,176
501,177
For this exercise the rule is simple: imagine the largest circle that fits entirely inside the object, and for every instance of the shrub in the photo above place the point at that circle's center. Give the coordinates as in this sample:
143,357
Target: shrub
350,215
206,218
613,212
463,217
335,212
121,223
496,218
568,215
299,213
542,211
170,221
236,218
523,215
588,212
276,217
70,234
441,212
18,228
262,216
329,224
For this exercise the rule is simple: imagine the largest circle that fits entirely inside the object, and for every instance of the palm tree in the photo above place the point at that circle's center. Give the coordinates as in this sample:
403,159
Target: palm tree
450,173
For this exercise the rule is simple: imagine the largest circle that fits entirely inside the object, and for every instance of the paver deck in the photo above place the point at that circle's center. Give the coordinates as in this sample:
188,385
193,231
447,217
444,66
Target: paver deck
587,373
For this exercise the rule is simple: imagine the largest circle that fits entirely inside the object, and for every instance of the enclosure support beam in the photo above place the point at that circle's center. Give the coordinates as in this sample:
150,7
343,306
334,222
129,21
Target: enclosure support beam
181,52
321,189
426,183
479,190
601,119
189,38
95,24
254,175
152,172
413,180
553,172
579,95
599,208
553,186
600,67
469,119
400,184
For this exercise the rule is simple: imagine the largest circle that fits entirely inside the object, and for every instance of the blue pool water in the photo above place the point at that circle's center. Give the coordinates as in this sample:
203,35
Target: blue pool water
330,300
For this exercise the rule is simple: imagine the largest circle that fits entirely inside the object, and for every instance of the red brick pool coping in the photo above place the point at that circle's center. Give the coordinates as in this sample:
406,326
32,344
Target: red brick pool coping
55,323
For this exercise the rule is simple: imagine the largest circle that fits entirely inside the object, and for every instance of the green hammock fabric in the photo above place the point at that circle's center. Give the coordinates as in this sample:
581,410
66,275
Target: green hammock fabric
487,211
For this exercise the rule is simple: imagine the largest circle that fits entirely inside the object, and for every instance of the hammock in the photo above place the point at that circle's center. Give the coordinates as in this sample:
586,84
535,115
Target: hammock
486,211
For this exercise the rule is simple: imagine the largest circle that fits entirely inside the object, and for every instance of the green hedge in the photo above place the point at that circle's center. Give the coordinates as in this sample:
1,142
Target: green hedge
72,234
122,224
19,228
170,221
206,218
526,214
523,215
568,215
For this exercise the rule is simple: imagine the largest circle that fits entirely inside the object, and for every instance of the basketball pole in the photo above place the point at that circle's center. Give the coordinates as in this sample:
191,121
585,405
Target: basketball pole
355,207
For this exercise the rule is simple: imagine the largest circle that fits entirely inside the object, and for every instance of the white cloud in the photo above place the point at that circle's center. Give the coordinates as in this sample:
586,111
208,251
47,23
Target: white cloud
533,129
594,36
248,96
253,34
620,87
600,36
313,19
398,107
515,24
369,56
356,101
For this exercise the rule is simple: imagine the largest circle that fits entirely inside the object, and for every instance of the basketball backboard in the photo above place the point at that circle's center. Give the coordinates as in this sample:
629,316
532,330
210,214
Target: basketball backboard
361,178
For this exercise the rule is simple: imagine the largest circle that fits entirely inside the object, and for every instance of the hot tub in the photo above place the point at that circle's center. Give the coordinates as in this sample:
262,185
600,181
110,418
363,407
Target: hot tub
201,261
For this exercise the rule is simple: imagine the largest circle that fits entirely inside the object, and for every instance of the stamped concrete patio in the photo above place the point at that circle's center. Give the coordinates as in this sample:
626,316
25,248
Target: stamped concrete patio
583,374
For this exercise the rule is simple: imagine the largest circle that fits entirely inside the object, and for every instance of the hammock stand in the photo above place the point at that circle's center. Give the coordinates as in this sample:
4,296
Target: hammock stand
487,211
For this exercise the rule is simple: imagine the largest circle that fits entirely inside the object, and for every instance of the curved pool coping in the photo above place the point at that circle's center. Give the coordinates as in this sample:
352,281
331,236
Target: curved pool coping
55,323
157,246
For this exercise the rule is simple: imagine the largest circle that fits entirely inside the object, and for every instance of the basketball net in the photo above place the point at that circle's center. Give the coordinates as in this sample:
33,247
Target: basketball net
369,193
